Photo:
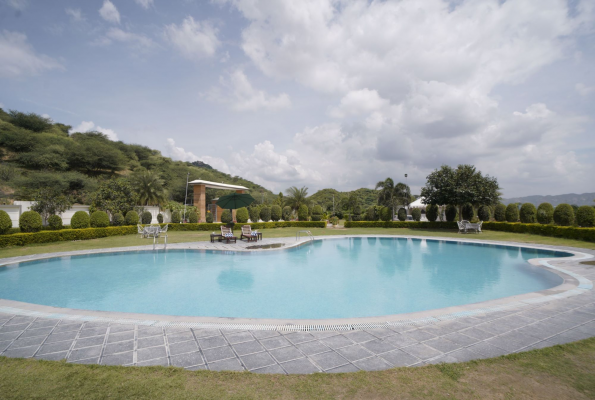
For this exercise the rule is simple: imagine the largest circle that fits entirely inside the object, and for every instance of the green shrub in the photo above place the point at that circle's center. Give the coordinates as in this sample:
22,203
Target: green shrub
545,213
371,214
402,224
80,220
160,218
432,212
500,212
146,217
132,218
175,217
118,219
303,213
254,212
386,213
5,222
564,214
450,213
209,217
334,220
416,214
265,214
226,217
484,213
402,214
192,217
316,213
467,211
339,214
99,219
585,216
30,221
242,215
566,232
286,213
528,213
55,222
276,212
512,213
357,210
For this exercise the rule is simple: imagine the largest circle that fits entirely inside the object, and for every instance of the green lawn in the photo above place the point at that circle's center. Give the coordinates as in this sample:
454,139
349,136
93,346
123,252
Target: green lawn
180,237
560,372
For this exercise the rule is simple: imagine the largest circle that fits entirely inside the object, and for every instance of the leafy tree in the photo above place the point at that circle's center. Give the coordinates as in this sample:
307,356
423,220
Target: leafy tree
286,213
175,217
386,214
30,121
115,195
93,152
280,200
297,197
432,212
391,195
50,201
545,213
459,186
209,217
149,188
276,212
303,213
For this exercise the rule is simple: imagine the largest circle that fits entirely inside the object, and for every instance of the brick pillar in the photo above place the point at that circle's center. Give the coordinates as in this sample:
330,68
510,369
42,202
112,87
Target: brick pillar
200,201
233,212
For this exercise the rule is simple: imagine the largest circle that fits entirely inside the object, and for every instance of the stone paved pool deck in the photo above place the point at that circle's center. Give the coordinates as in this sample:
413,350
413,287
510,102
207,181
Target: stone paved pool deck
519,326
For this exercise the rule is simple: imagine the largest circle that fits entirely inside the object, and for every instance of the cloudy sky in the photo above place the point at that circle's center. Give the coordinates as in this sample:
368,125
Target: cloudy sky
321,93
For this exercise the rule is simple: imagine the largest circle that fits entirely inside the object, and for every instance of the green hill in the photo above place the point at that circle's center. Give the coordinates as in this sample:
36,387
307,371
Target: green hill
36,152
365,198
585,199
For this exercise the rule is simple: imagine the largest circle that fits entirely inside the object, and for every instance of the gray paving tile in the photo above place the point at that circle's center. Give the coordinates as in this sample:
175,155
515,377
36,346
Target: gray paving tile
378,346
19,320
206,332
116,328
400,340
299,337
67,328
196,368
477,333
265,334
443,359
359,336
372,364
495,327
85,333
460,338
300,366
93,360
561,339
239,337
310,348
180,337
22,352
399,358
9,336
248,348
87,352
55,347
163,362
422,351
4,345
13,328
232,364
336,342
328,360
151,341
52,356
187,359
487,350
90,341
421,335
218,353
275,342
271,369
26,342
323,334
118,347
381,332
355,352
96,325
258,360
183,347
512,341
37,332
464,355
150,353
343,369
120,336
147,331
118,359
442,345
211,342
286,354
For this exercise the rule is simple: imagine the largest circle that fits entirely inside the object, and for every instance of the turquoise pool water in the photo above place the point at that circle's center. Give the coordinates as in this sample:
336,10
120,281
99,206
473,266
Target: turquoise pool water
333,278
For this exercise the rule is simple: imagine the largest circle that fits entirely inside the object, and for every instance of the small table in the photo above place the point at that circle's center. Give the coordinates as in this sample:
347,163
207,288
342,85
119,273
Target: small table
216,235
259,235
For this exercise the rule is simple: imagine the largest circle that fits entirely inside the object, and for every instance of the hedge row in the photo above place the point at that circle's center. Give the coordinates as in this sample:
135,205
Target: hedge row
401,224
23,239
566,232
215,227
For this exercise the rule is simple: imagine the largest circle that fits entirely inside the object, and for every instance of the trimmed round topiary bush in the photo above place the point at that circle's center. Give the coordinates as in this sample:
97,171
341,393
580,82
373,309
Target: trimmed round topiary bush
500,212
80,220
286,213
386,214
192,217
528,213
55,222
316,213
160,218
146,217
30,221
99,219
450,213
512,213
467,211
545,213
303,213
416,214
209,217
226,216
276,212
254,212
564,214
585,216
117,219
402,214
242,215
432,211
175,217
483,213
5,222
132,218
265,214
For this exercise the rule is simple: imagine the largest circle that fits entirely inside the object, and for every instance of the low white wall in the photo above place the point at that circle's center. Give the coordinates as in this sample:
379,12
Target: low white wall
14,212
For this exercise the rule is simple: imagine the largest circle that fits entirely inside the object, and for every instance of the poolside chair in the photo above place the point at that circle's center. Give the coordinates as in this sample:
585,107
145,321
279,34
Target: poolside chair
141,230
462,226
227,234
474,227
248,234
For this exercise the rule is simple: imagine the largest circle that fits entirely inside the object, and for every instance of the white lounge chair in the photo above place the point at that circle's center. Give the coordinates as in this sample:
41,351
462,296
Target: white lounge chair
462,226
474,227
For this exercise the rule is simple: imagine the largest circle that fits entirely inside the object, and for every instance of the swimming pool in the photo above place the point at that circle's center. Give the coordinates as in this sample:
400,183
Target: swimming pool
333,278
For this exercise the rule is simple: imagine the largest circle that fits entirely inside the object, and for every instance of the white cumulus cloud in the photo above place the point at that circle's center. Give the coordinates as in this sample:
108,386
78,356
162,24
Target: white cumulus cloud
144,3
18,58
88,126
193,39
109,12
583,89
75,14
179,153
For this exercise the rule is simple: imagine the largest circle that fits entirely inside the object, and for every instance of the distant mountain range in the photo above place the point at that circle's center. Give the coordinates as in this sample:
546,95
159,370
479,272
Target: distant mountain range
570,198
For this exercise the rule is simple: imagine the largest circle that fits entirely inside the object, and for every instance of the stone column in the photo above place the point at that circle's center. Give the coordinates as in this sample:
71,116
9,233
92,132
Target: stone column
200,201
233,212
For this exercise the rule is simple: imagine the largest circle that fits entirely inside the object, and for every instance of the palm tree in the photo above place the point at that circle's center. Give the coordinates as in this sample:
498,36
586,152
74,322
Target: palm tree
391,195
296,197
149,188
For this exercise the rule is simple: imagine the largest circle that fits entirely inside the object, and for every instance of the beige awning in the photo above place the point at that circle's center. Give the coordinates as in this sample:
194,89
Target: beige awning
217,185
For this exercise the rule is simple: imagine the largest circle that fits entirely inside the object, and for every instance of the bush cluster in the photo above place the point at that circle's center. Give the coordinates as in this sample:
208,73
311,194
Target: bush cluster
118,219
334,220
545,213
528,213
30,221
175,217
242,215
160,218
339,214
500,212
585,216
450,213
316,213
265,214
80,220
484,213
467,211
146,217
386,214
402,224
5,222
432,211
564,214
286,213
566,232
99,219
132,218
254,213
303,213
226,216
512,213
209,217
193,217
402,214
55,222
276,213
416,214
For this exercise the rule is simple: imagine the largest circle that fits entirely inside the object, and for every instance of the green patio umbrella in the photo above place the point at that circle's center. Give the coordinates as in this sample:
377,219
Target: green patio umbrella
234,201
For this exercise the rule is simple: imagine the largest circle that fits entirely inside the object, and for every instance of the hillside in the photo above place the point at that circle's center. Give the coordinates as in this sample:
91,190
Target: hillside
324,197
36,152
585,199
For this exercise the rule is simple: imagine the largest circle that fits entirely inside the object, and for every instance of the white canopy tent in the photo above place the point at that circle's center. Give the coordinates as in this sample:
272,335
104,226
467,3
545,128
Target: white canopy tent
418,204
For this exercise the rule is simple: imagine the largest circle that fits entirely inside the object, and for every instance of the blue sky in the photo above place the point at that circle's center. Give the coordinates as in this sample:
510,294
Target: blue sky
320,93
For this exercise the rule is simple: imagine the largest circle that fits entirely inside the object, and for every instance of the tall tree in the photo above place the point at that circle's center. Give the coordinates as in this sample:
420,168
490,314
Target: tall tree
50,201
115,195
296,197
149,188
391,195
460,186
